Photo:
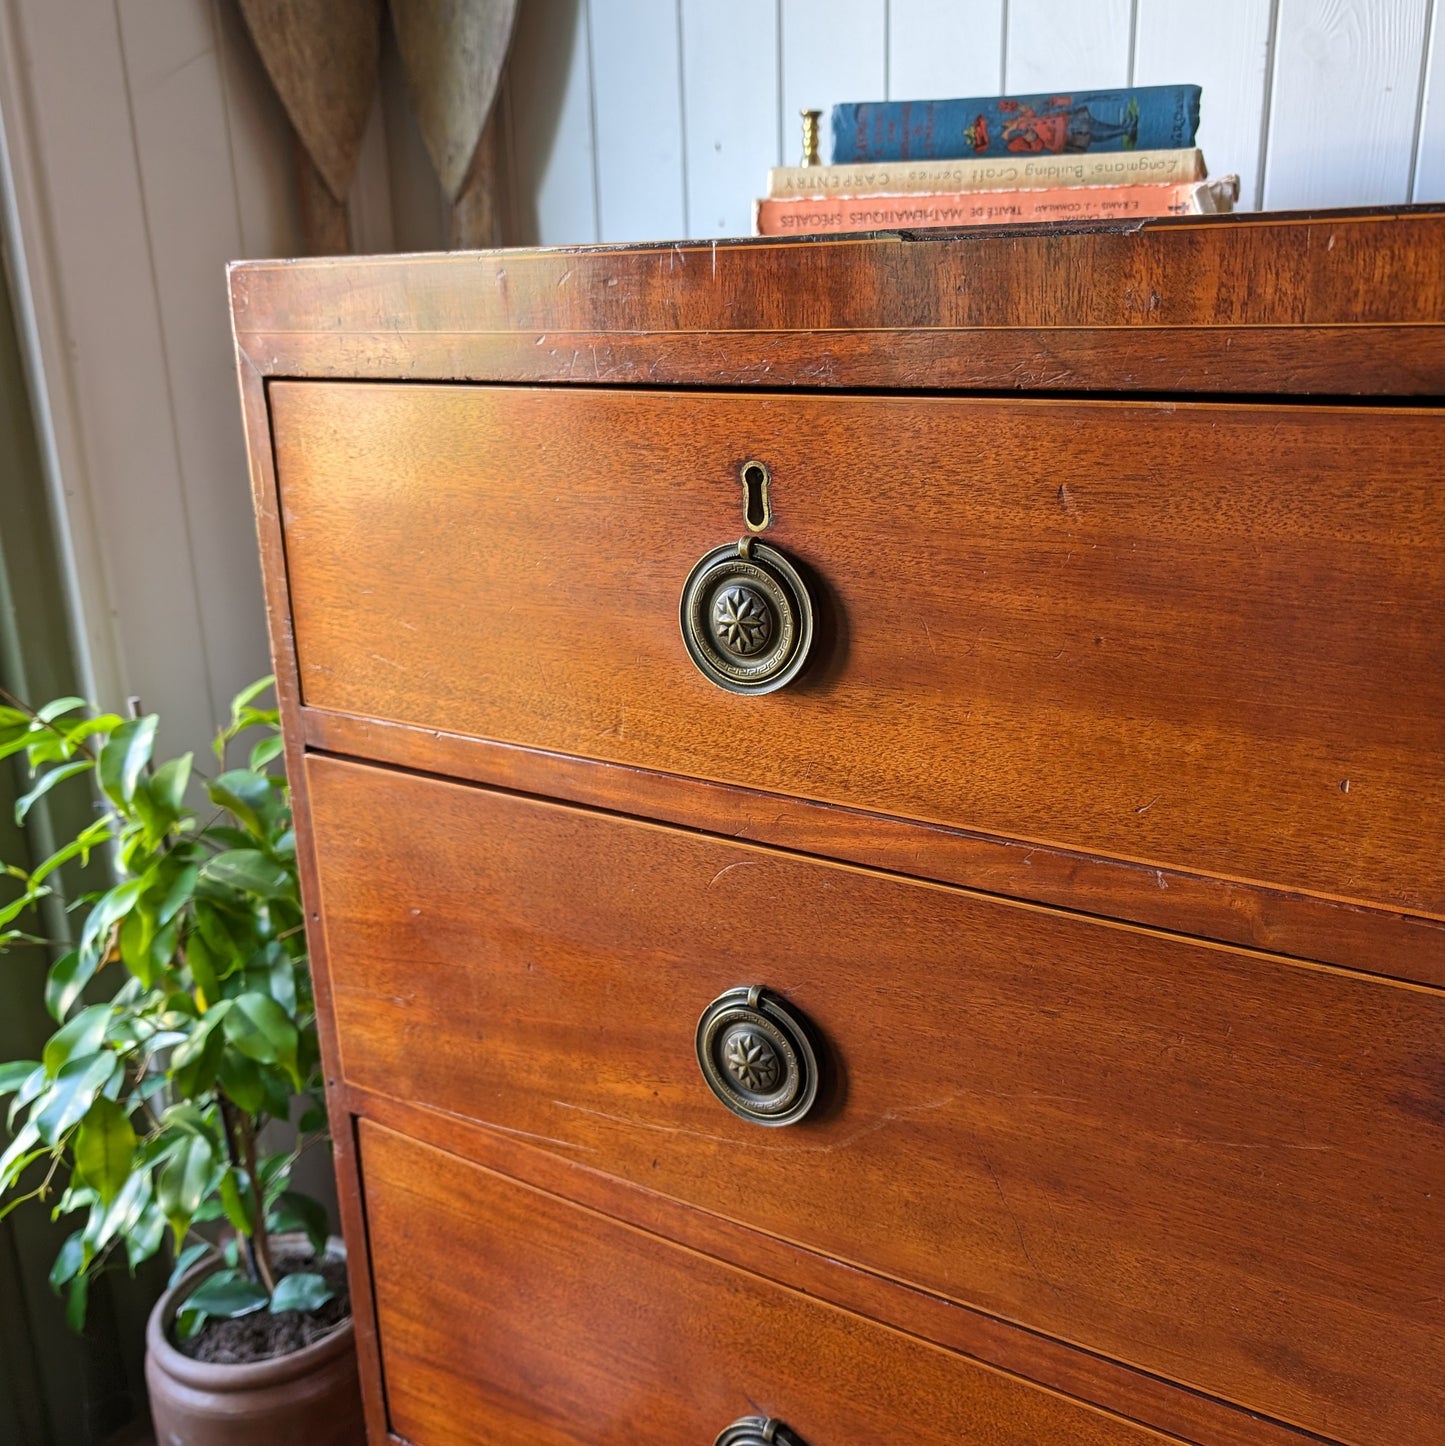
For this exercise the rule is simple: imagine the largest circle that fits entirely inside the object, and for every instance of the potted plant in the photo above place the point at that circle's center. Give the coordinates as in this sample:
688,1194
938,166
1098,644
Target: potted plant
185,1023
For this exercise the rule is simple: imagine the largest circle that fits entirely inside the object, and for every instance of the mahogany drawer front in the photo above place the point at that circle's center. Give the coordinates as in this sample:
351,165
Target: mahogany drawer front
1201,636
507,1315
1219,1166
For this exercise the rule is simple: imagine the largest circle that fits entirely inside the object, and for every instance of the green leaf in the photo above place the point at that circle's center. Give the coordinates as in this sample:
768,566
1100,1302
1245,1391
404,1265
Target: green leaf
313,1117
20,1152
144,1238
45,783
76,1300
238,1200
202,964
275,1173
78,733
54,709
90,837
186,1259
250,693
120,1216
14,1074
76,1089
266,751
249,796
177,895
124,757
240,1078
67,979
83,1035
263,1031
252,872
137,932
73,1258
295,1211
184,1181
193,1064
168,783
226,1295
104,1148
302,1291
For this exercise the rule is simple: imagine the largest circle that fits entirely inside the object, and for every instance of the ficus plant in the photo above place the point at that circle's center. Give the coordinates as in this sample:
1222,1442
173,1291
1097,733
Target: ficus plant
183,1009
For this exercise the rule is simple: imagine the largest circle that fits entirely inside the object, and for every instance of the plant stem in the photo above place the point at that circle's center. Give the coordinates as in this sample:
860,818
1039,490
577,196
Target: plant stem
55,728
241,1150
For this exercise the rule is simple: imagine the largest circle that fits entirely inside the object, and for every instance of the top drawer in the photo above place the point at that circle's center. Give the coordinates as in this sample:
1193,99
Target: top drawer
1203,636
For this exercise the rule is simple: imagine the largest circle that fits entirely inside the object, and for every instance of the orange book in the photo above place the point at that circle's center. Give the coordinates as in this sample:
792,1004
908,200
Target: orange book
812,215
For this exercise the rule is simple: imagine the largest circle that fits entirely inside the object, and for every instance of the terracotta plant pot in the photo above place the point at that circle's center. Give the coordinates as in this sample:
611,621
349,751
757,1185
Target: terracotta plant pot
311,1397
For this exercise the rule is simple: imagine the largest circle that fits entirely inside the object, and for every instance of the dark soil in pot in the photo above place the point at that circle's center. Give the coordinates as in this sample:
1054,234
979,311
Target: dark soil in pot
261,1335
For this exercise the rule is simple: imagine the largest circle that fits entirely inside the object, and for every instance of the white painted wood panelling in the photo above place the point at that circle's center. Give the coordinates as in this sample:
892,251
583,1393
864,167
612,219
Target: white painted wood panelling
944,49
1228,56
192,228
730,83
1344,102
146,148
124,486
637,113
833,50
1053,45
1430,142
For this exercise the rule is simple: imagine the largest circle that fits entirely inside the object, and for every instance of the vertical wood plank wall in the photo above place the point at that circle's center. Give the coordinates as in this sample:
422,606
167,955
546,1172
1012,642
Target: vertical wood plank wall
144,149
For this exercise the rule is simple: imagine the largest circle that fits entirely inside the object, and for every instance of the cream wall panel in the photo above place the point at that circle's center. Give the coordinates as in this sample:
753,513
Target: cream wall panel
1344,102
193,227
833,50
1429,182
731,91
638,121
1057,46
1228,54
944,49
123,486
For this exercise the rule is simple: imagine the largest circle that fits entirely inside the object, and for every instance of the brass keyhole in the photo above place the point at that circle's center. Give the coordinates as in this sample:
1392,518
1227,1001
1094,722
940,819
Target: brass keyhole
756,511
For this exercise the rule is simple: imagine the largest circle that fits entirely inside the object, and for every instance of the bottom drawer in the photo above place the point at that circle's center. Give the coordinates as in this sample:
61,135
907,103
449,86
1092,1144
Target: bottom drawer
508,1315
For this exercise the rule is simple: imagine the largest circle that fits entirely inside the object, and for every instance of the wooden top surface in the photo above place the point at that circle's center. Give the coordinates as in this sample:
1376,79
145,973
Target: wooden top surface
1333,302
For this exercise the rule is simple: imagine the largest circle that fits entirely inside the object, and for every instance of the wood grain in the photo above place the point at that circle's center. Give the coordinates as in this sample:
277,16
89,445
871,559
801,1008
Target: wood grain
1003,1078
1080,1374
557,1325
1343,303
1374,941
1188,636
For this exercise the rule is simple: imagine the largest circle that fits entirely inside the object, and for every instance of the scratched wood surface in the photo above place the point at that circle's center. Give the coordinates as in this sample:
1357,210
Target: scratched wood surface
1341,302
1199,637
627,1338
1178,1154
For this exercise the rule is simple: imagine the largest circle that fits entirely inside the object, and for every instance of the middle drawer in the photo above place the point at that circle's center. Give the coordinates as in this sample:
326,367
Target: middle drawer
1218,1165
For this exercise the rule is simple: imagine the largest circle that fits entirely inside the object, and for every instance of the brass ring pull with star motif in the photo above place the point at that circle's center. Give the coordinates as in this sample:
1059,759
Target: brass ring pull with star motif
757,1431
747,619
757,1057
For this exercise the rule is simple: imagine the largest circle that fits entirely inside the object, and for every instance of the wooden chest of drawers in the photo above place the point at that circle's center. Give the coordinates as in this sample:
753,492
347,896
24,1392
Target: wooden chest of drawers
949,947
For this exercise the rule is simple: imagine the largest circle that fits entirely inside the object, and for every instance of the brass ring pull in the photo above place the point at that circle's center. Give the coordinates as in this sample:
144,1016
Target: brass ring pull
747,619
758,1431
757,1058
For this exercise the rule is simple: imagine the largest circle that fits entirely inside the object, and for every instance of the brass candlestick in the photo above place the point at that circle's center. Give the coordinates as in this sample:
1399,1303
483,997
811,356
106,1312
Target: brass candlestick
810,137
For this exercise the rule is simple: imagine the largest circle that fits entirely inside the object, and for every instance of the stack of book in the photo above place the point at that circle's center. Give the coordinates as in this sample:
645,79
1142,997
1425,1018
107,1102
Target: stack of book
899,165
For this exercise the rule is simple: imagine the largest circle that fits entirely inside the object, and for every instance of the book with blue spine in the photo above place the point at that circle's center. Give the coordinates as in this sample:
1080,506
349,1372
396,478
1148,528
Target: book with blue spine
1149,117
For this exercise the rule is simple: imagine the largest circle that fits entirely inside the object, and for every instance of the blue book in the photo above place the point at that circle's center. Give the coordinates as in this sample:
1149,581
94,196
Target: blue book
1145,118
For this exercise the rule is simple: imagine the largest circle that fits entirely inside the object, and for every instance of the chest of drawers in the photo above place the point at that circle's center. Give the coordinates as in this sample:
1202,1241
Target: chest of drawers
872,826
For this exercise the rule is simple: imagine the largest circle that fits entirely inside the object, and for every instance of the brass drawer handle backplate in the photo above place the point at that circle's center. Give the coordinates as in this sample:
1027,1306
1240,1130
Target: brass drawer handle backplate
757,1058
747,619
757,1431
